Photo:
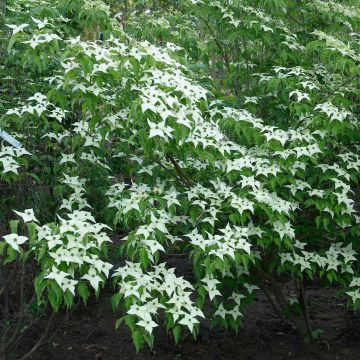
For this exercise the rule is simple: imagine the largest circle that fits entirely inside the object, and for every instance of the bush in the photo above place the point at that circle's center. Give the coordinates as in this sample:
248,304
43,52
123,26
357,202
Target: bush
226,131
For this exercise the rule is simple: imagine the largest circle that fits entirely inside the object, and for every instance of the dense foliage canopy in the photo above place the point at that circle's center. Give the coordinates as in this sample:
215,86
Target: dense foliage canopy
224,131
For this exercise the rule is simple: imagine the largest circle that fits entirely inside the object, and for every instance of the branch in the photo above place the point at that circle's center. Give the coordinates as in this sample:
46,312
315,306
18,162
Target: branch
40,341
341,85
180,171
222,51
272,300
170,170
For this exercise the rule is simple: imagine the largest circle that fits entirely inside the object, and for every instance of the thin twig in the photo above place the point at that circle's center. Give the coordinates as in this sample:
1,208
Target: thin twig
346,81
180,171
170,170
40,341
223,54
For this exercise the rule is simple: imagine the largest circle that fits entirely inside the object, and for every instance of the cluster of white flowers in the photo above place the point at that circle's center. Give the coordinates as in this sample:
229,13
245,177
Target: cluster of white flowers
39,39
333,112
8,158
38,104
354,291
158,289
331,6
335,44
75,242
230,240
97,5
338,258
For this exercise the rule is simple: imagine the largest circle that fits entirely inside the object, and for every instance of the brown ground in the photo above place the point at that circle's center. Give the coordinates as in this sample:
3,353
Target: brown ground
88,333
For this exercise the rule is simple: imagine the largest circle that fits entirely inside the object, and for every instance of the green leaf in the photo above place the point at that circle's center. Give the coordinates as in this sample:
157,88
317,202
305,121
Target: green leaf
11,255
118,322
115,301
83,290
176,333
14,226
144,258
68,299
137,339
2,246
54,295
12,41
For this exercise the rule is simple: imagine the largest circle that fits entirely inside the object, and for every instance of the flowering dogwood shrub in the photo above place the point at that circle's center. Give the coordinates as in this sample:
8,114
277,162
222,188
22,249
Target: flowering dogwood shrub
235,144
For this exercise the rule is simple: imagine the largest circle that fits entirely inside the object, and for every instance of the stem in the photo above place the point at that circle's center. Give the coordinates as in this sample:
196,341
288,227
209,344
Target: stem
2,12
346,81
180,171
272,300
2,27
247,62
172,174
304,308
295,20
40,341
125,15
300,322
223,53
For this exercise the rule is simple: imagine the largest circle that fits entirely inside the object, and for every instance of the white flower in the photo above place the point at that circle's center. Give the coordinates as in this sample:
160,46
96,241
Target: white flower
67,158
251,99
140,311
355,282
250,288
284,229
355,295
210,286
300,95
57,275
9,164
250,181
93,277
40,23
189,321
221,311
17,28
171,198
27,216
147,323
153,245
266,28
160,129
52,240
235,312
69,284
14,240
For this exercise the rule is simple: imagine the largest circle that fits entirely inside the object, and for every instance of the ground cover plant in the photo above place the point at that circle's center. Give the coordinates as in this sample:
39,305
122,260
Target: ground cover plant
226,132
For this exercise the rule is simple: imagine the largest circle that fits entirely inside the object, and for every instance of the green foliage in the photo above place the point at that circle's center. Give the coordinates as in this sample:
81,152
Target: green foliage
225,131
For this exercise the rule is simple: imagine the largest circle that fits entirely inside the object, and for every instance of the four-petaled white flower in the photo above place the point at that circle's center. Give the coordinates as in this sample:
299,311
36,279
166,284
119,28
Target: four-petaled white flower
27,216
93,278
57,275
17,28
147,323
14,240
160,129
